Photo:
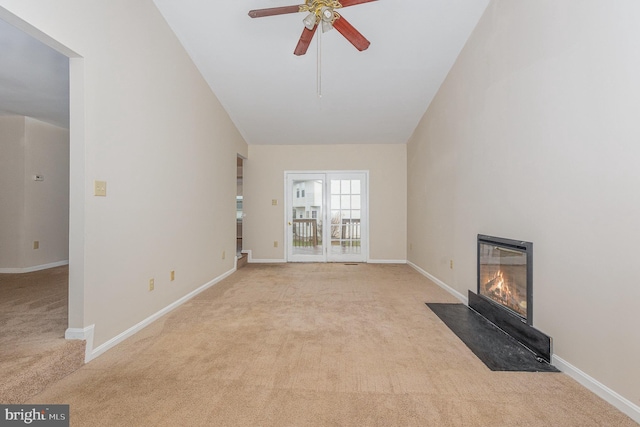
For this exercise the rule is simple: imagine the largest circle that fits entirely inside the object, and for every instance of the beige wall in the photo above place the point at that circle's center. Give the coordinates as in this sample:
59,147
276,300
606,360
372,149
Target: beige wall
12,191
46,202
33,210
264,181
535,136
143,120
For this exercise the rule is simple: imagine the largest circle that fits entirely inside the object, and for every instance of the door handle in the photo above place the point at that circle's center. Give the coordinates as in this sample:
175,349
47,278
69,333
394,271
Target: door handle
289,222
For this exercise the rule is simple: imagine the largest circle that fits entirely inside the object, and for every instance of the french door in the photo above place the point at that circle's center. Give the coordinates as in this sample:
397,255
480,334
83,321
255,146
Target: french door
327,217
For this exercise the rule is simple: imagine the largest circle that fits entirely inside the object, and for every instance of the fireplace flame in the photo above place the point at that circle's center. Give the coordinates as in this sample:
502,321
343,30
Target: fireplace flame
505,293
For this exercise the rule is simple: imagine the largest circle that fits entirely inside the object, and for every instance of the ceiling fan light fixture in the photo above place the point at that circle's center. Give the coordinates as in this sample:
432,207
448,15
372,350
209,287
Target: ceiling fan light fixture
310,21
328,16
326,26
327,13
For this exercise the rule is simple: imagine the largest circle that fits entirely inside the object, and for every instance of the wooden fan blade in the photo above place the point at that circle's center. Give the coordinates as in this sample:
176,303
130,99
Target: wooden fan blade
347,3
305,41
259,13
351,34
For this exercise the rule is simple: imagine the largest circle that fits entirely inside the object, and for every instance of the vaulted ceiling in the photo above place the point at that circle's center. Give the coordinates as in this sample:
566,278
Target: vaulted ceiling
374,96
334,94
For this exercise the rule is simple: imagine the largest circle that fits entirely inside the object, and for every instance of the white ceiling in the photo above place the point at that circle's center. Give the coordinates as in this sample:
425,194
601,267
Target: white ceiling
374,96
34,79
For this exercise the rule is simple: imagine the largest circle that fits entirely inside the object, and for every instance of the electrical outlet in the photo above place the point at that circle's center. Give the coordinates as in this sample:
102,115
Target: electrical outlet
224,254
151,284
36,244
410,246
451,264
274,202
173,275
275,243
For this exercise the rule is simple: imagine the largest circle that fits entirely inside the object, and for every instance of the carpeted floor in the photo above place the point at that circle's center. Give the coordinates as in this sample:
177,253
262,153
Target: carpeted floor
33,319
315,345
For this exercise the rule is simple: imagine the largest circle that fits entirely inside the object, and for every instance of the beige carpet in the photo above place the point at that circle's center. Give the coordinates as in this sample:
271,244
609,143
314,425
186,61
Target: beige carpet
33,319
315,345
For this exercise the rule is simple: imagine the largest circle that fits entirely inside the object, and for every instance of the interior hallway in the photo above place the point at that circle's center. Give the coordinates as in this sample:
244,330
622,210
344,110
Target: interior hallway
315,345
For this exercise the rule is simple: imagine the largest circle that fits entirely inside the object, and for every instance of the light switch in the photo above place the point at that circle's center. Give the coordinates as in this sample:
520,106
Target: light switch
274,202
100,188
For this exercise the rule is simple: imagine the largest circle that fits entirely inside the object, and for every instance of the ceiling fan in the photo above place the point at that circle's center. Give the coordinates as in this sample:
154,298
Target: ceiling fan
320,12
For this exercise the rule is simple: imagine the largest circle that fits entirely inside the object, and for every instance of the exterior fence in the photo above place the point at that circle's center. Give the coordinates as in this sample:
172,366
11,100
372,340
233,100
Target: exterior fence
306,232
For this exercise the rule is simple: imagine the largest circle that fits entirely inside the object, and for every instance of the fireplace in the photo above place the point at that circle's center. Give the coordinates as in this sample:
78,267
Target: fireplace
505,297
505,274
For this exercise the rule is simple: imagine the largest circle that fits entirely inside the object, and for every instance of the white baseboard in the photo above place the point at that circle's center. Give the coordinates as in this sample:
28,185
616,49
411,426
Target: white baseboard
440,283
34,268
623,404
146,322
266,261
252,260
85,334
387,261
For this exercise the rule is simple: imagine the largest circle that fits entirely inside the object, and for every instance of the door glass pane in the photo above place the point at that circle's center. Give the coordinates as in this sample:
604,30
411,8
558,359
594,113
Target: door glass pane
345,217
355,186
345,202
355,202
307,217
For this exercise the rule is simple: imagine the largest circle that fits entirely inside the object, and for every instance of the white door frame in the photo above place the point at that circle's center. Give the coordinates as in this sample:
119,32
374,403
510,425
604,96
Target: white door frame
326,176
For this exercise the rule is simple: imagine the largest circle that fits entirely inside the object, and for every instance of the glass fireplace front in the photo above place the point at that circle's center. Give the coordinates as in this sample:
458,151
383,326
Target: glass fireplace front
504,274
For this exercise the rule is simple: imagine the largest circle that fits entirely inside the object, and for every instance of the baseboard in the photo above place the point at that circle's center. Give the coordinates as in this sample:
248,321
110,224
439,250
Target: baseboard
266,261
146,322
440,283
252,260
34,268
387,261
85,334
623,404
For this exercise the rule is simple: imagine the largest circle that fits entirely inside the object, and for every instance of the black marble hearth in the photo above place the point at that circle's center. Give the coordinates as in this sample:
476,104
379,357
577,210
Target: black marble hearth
499,351
527,335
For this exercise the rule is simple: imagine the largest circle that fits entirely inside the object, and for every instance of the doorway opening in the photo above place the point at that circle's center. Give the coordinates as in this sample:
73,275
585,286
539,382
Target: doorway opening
239,202
75,75
45,288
